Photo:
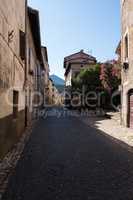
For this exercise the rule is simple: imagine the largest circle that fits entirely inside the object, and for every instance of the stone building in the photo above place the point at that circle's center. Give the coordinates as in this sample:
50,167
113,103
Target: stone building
12,72
57,98
34,65
50,92
54,97
46,75
22,77
73,65
127,62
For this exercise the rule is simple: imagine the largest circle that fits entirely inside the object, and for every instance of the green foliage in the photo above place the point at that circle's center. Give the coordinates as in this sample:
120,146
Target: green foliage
88,78
100,78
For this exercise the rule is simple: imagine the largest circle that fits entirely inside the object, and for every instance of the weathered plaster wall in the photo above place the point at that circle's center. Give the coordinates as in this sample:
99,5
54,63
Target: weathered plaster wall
31,67
12,70
127,76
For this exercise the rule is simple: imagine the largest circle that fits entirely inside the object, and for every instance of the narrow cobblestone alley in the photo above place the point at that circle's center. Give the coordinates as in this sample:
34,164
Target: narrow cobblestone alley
67,160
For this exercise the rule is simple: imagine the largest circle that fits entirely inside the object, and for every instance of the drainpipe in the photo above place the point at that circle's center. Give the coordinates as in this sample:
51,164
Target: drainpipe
26,78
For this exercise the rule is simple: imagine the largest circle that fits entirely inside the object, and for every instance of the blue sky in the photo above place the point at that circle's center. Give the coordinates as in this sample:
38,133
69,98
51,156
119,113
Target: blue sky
68,26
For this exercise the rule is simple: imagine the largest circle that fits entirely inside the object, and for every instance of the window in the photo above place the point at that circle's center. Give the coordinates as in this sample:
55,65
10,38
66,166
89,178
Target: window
22,44
126,47
15,104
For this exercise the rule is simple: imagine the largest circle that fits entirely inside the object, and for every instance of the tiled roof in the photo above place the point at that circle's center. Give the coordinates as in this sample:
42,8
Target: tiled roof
78,55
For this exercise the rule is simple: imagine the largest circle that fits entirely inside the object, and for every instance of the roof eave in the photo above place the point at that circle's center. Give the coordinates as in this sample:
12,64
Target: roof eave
35,28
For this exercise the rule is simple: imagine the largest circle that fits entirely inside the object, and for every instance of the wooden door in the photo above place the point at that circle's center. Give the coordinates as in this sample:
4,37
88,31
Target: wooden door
131,111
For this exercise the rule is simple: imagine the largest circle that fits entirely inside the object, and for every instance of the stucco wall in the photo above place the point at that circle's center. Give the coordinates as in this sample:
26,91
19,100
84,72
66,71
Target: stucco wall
127,76
32,64
12,70
74,70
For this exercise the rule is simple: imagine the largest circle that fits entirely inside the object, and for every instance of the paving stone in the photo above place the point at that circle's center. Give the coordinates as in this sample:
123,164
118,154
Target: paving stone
66,159
8,164
112,127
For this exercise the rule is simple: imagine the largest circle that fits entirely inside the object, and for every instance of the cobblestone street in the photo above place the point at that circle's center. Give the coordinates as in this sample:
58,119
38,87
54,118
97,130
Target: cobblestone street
67,160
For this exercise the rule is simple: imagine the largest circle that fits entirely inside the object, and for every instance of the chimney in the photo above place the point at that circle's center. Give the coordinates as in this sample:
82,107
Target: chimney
82,50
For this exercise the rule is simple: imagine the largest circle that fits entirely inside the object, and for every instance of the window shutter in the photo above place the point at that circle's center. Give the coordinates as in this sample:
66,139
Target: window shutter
15,104
22,45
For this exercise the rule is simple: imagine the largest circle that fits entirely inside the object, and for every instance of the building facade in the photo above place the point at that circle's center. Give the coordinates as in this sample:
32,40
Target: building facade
22,70
50,93
127,62
73,64
46,75
34,65
54,97
57,98
12,72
